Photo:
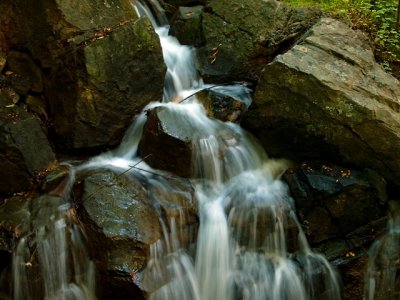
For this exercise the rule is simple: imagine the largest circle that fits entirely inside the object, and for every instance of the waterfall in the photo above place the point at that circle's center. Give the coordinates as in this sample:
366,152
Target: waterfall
54,253
245,211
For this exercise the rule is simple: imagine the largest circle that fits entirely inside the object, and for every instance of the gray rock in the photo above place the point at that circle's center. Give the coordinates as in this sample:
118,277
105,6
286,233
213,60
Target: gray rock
169,135
332,201
119,220
328,99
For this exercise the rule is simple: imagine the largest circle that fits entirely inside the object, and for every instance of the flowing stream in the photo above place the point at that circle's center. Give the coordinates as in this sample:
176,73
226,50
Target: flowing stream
247,217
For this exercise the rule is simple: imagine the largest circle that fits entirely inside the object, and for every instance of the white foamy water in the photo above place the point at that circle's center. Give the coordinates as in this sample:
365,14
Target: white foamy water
55,253
245,211
241,249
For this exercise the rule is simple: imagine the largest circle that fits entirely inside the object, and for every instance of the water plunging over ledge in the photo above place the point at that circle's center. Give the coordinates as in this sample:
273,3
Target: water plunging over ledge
246,214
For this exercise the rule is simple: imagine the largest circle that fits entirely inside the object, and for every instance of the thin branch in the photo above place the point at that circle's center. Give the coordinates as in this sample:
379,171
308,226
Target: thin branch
208,88
118,175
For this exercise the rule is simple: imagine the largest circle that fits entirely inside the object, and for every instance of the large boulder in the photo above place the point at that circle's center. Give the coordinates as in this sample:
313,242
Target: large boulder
119,220
241,36
101,65
121,215
328,99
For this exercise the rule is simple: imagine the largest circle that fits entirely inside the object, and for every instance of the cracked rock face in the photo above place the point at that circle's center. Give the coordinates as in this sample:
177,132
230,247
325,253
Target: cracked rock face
328,99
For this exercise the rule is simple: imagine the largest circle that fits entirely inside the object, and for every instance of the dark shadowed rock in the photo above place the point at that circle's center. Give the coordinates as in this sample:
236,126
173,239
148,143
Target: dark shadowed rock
25,74
14,221
186,25
333,201
3,55
328,99
24,148
241,36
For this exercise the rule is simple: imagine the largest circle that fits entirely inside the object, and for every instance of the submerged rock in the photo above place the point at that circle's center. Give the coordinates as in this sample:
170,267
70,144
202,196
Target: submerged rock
328,99
220,106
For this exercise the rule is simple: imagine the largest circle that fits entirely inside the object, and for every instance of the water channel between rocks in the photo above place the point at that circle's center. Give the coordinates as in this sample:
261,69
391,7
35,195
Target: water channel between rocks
241,249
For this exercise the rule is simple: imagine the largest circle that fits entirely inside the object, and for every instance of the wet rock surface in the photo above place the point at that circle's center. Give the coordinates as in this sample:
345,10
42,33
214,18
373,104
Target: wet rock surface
220,106
119,220
328,99
170,134
122,217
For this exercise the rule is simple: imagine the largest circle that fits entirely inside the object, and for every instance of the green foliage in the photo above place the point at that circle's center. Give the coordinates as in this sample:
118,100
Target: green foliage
377,18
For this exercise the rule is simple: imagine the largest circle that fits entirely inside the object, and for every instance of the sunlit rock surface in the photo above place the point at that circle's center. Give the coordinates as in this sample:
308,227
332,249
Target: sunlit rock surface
327,98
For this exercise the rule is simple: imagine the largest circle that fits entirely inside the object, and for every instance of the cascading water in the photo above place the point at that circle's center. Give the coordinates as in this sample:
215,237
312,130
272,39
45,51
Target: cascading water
246,214
57,244
245,211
